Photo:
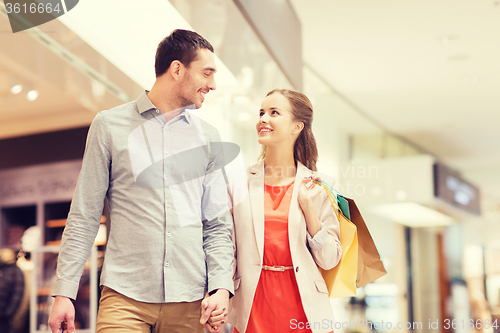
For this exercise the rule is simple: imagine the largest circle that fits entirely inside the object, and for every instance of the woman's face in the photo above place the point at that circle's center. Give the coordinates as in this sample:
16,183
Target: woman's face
276,124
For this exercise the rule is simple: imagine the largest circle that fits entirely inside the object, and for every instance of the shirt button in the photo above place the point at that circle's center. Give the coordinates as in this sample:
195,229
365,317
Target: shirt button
166,264
168,234
297,269
166,152
157,111
168,205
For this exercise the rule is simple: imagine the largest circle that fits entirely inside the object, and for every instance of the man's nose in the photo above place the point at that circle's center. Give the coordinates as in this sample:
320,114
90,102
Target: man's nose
211,84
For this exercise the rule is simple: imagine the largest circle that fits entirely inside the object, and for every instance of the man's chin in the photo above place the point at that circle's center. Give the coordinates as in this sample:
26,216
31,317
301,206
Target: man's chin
192,106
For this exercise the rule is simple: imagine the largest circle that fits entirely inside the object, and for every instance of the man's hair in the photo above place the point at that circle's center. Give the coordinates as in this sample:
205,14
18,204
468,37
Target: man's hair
181,45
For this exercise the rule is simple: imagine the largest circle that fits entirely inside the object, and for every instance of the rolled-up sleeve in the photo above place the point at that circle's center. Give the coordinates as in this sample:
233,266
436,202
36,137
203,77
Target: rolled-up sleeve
319,240
86,209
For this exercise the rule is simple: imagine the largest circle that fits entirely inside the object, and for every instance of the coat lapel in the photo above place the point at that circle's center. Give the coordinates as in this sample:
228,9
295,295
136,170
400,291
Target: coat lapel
295,213
256,191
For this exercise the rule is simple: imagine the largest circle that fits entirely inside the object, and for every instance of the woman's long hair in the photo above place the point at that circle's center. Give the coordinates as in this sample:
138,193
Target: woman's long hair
305,150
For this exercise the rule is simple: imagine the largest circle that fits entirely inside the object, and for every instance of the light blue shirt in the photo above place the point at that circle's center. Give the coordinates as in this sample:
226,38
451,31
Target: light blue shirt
171,230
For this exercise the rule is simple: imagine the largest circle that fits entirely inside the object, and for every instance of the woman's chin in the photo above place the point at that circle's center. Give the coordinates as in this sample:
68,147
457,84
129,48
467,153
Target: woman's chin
262,141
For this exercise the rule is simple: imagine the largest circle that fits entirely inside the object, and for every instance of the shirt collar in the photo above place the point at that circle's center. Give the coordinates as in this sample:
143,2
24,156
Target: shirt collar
144,104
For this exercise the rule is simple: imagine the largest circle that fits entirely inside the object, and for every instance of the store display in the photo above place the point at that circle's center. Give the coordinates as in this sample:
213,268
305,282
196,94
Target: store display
34,205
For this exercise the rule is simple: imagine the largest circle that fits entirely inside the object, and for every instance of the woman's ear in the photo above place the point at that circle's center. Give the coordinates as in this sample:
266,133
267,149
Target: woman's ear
298,128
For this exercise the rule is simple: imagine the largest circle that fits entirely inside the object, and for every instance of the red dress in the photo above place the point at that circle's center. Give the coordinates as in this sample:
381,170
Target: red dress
277,299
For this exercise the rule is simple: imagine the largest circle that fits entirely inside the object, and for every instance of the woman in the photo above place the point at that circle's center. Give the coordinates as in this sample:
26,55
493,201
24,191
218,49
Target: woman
291,230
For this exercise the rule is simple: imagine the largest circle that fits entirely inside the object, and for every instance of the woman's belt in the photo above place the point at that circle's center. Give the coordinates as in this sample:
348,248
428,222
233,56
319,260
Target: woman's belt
276,268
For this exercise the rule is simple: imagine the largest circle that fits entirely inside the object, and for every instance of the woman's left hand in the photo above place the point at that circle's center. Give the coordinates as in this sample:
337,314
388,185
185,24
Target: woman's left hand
308,190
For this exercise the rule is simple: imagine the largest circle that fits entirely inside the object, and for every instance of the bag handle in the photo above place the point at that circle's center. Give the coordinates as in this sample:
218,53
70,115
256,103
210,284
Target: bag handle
325,184
333,200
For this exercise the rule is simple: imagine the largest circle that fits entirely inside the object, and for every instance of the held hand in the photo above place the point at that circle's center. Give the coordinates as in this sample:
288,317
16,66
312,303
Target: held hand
63,310
216,303
308,190
207,324
217,318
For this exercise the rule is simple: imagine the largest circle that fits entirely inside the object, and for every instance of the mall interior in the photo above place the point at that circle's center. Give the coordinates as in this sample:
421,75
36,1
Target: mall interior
405,117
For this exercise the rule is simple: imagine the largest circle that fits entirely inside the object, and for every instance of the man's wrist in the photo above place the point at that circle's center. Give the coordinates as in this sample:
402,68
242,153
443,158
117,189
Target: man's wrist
61,297
214,291
223,291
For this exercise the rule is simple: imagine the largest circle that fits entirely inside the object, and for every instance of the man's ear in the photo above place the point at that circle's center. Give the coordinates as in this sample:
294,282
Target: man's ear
298,128
175,69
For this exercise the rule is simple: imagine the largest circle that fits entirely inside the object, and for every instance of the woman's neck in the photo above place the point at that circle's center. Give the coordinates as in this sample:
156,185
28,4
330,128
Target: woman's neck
279,166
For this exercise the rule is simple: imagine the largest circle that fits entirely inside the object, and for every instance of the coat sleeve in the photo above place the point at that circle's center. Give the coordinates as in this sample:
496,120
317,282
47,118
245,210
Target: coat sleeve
325,245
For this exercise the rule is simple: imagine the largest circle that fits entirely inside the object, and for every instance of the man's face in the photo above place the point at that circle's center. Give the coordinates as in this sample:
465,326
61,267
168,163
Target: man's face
198,79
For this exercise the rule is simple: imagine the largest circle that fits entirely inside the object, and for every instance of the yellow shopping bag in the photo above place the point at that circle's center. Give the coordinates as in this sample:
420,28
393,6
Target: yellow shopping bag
341,280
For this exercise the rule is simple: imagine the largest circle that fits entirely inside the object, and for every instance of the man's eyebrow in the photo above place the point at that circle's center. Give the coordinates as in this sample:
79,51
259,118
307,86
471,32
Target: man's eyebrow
210,69
272,108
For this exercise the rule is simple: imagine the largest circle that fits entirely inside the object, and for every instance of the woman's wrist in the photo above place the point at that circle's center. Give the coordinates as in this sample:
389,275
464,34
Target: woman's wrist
312,221
305,203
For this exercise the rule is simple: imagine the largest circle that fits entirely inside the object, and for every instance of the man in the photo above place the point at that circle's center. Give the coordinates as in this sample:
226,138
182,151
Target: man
170,238
11,288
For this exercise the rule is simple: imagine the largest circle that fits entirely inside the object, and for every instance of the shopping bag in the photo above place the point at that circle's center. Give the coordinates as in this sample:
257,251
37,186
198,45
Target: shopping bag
341,280
370,265
343,205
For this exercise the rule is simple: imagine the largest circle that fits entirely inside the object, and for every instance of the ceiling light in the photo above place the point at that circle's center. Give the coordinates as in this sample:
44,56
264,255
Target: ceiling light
16,89
114,36
32,95
412,214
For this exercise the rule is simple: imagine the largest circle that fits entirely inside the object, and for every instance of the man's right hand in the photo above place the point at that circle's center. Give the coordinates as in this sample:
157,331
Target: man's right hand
63,310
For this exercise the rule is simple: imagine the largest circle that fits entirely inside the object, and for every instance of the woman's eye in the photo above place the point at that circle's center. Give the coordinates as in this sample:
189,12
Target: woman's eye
261,114
275,112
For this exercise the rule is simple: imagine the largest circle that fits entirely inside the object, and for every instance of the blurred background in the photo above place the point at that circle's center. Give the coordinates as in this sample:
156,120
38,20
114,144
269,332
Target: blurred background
407,120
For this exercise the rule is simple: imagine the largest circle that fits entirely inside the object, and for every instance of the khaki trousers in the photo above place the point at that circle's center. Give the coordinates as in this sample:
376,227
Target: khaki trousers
121,314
